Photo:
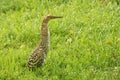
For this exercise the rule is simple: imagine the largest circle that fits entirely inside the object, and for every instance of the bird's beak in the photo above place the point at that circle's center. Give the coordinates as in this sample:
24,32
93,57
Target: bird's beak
54,17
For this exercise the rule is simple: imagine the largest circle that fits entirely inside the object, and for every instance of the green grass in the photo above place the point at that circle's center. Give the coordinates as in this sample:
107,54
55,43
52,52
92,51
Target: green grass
85,44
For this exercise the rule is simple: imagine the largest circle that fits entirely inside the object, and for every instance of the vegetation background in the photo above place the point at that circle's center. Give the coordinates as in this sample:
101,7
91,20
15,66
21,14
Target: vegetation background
85,44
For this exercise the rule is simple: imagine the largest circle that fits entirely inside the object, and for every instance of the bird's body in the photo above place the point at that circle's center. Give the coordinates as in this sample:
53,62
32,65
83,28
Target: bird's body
38,56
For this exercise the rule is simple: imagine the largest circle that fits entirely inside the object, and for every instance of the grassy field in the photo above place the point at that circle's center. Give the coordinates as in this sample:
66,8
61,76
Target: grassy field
85,44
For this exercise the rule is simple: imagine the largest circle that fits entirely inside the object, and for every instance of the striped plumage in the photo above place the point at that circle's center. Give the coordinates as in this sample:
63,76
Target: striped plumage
38,56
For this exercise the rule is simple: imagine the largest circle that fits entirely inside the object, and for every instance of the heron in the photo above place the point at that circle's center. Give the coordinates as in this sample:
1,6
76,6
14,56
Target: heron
38,56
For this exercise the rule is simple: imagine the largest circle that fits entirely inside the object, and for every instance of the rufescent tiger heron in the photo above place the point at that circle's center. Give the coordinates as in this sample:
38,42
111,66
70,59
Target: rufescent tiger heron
38,56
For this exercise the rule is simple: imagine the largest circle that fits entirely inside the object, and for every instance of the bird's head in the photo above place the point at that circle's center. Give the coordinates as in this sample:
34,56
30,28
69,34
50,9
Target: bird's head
49,17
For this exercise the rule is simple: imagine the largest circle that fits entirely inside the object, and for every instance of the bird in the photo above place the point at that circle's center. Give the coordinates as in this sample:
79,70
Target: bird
38,56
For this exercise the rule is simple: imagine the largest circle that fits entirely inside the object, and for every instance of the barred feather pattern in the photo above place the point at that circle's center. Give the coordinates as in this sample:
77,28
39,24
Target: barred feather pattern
38,56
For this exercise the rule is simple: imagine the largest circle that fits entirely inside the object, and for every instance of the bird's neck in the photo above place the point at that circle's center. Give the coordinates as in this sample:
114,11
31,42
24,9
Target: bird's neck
45,35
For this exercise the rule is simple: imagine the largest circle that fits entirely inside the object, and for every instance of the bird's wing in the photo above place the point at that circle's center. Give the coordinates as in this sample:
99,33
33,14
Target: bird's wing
37,57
